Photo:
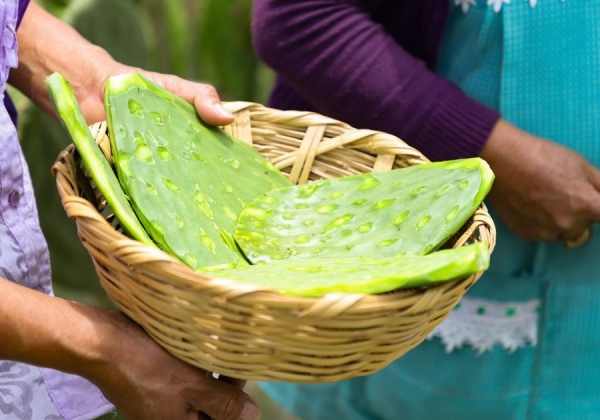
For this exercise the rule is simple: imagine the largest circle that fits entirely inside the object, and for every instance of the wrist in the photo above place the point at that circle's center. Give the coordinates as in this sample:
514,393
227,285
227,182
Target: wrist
100,347
112,360
52,332
505,141
87,347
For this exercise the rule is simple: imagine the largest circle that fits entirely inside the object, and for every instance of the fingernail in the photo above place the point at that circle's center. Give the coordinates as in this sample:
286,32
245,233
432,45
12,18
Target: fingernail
222,110
250,412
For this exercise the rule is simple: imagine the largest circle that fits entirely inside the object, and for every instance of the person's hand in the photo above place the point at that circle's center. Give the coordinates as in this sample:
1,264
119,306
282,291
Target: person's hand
203,96
145,382
542,191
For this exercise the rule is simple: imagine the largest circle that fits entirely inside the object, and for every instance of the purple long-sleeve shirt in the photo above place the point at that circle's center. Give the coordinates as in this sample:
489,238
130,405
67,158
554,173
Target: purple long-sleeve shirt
370,63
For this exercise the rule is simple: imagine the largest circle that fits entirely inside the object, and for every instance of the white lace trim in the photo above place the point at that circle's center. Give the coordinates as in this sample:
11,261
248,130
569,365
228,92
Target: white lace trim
495,4
484,324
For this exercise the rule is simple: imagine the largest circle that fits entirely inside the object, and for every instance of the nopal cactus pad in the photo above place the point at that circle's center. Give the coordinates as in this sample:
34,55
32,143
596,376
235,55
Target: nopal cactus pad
70,115
411,210
187,181
318,276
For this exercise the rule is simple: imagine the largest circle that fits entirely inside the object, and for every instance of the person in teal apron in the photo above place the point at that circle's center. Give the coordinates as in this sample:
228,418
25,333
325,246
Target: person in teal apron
524,343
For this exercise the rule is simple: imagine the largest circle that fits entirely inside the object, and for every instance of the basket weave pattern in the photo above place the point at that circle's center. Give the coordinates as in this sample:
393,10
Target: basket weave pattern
245,331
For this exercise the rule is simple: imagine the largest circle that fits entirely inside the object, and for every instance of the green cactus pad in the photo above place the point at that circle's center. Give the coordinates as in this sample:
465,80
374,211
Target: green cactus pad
70,115
316,277
412,210
187,181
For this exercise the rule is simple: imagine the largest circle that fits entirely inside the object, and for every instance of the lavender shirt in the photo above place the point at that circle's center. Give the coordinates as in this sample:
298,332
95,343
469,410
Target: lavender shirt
29,392
370,63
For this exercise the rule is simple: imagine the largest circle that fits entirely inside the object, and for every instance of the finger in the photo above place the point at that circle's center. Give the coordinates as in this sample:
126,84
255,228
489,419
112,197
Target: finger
210,108
92,109
204,97
239,383
221,401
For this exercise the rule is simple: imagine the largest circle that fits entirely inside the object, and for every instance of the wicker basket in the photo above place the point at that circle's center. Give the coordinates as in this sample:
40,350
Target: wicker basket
245,331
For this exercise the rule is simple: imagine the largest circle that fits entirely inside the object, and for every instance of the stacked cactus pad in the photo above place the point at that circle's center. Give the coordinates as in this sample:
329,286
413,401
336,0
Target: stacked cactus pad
217,205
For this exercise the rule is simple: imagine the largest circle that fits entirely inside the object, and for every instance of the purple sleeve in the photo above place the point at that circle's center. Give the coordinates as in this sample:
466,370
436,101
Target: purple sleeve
345,64
22,7
8,103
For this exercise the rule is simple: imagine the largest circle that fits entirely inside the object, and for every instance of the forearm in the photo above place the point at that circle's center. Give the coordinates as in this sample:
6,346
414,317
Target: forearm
47,45
51,332
347,66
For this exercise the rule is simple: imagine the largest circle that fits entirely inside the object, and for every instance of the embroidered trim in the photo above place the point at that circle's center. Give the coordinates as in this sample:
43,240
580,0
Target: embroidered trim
495,4
484,324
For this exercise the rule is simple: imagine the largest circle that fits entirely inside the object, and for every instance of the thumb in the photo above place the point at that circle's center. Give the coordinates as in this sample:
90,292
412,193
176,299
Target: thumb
240,383
209,106
203,96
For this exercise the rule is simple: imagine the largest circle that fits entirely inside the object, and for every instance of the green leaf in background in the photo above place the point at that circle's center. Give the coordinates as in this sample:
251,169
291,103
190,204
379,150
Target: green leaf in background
56,7
169,27
178,40
225,54
115,25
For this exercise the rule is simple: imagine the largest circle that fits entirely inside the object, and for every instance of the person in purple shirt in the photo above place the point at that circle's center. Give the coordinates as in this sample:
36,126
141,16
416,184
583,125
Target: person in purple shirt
371,63
515,84
61,359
